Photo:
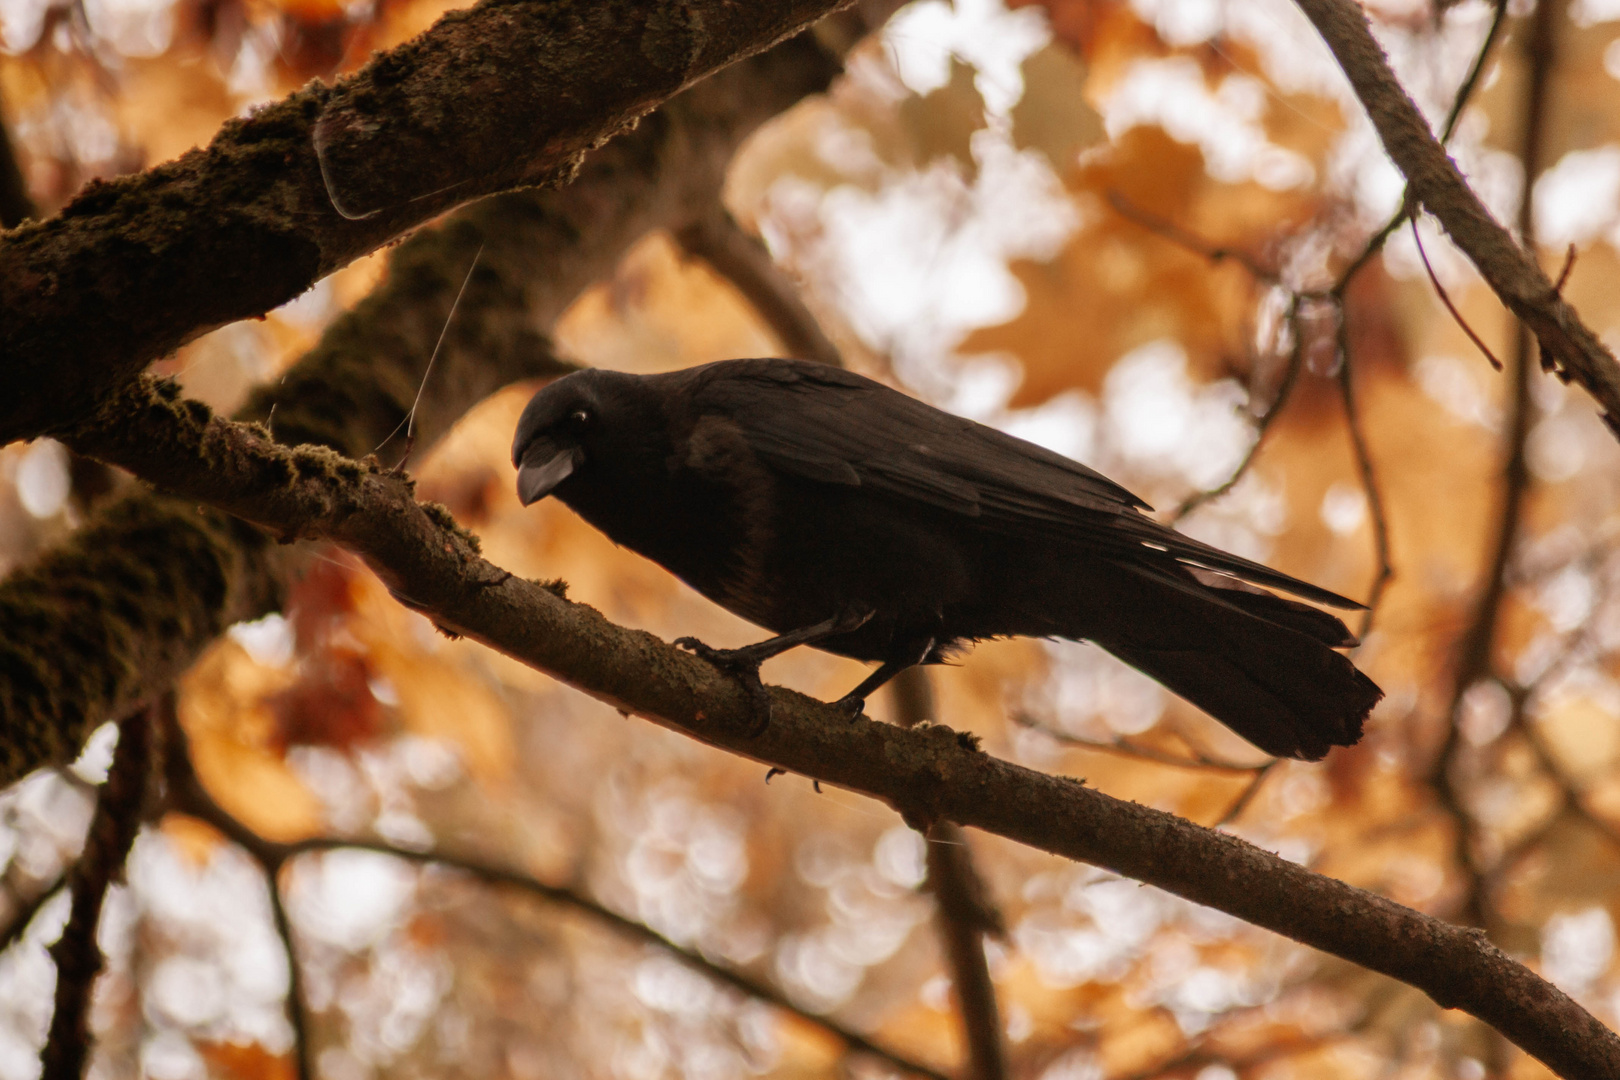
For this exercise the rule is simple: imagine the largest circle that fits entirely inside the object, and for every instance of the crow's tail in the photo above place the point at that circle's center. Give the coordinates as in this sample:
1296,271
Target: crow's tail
1263,665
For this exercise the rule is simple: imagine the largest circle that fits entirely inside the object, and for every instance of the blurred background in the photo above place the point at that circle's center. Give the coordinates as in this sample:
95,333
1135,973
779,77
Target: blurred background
1123,230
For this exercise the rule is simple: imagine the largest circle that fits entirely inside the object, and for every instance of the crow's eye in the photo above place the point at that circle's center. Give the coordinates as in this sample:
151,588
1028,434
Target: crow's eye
579,418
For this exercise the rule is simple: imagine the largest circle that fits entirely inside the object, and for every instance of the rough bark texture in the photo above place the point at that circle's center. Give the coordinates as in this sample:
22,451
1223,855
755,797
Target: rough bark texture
500,96
126,605
1568,345
928,774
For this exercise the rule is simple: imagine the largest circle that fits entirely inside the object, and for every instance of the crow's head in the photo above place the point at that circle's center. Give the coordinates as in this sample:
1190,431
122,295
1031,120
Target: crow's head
586,419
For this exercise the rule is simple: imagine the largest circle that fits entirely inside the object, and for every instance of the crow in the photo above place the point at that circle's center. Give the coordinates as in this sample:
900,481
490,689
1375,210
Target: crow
842,514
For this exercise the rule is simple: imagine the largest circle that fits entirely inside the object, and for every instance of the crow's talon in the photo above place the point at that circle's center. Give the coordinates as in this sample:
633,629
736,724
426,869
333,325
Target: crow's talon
854,706
741,665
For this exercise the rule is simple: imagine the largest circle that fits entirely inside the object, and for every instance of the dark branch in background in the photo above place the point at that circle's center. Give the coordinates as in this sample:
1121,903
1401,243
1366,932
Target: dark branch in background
16,205
1367,473
1264,422
1568,345
77,956
1215,253
114,615
26,911
928,774
189,797
1473,660
1445,298
718,240
501,96
1121,748
965,911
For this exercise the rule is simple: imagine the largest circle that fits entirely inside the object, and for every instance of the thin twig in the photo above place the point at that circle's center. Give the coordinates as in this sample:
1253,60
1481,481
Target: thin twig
1445,298
1120,748
76,954
1194,243
28,910
718,240
1568,343
1569,265
1263,424
1246,796
1369,478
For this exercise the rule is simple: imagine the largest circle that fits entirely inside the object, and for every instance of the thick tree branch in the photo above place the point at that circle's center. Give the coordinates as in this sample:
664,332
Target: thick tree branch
113,616
76,953
501,96
928,774
1568,345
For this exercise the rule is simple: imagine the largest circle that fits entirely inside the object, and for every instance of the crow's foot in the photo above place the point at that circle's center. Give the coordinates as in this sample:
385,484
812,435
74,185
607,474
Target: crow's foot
851,705
742,665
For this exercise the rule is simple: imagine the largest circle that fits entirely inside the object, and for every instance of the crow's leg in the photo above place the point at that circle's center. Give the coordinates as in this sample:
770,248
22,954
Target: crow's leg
743,664
854,702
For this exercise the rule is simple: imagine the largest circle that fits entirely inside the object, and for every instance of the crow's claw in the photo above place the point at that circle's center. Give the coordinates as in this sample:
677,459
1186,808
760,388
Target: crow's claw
852,705
742,665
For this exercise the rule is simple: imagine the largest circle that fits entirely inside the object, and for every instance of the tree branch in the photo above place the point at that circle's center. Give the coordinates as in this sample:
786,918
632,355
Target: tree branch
963,905
77,956
927,774
743,260
16,205
1473,660
192,799
501,96
1568,345
113,616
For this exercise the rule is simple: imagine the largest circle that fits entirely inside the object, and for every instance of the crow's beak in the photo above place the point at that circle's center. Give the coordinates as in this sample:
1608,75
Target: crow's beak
537,478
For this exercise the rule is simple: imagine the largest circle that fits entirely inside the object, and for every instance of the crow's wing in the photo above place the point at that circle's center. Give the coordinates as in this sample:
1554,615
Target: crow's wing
833,426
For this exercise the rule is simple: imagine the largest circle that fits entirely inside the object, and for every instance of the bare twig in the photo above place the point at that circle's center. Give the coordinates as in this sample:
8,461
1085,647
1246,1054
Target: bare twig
1264,423
26,912
718,240
1445,298
76,954
966,912
1246,796
1369,478
1121,748
1215,253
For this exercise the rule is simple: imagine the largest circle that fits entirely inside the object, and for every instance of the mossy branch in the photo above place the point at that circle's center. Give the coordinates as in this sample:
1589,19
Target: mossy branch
114,615
505,95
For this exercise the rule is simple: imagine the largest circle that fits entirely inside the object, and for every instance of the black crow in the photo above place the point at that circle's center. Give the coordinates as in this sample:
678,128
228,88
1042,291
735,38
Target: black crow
839,513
